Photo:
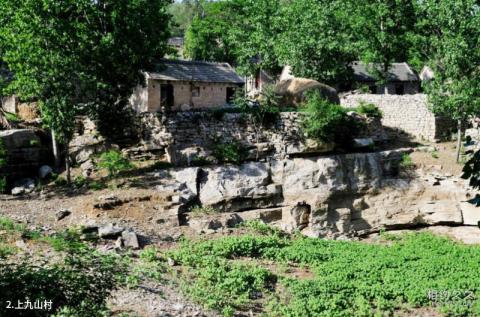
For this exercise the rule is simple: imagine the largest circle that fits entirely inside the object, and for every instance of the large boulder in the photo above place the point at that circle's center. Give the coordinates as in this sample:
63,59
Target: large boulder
293,90
235,188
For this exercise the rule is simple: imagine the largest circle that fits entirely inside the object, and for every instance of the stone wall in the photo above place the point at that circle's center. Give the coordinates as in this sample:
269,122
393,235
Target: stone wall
186,135
27,150
408,113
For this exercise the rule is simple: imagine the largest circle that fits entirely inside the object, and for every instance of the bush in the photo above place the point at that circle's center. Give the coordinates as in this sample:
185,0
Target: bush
232,152
370,110
327,122
79,285
113,162
406,161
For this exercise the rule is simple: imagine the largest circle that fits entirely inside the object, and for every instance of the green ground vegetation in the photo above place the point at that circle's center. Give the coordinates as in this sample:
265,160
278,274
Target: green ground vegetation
344,278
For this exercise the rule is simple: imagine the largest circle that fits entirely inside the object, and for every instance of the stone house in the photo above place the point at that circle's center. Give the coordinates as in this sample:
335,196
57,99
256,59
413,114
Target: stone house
401,80
186,85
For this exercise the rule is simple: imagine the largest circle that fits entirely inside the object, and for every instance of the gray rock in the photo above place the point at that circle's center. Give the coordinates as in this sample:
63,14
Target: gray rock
119,243
44,171
470,213
236,188
17,191
363,143
110,231
62,213
87,168
130,239
23,186
203,225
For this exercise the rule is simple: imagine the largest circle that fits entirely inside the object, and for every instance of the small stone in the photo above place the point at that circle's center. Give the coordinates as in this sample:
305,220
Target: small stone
23,186
171,262
17,191
130,239
62,213
119,243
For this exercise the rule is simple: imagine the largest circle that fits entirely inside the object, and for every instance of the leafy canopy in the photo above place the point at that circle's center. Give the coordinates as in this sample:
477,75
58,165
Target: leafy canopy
81,55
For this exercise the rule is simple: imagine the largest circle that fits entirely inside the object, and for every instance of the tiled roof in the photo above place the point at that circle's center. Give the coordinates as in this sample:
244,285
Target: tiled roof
196,71
396,72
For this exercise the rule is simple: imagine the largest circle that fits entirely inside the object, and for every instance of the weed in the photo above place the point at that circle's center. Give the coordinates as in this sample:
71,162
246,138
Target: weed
349,277
80,181
406,161
198,211
435,154
232,152
113,162
96,185
60,181
370,110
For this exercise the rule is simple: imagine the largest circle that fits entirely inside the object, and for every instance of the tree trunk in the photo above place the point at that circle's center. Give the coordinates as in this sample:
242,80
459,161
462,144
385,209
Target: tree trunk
459,139
67,163
55,149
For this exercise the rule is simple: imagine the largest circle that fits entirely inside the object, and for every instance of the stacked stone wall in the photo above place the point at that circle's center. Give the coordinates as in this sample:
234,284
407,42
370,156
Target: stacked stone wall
407,113
184,135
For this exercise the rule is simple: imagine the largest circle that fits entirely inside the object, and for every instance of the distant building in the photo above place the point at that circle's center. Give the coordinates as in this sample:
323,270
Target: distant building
186,85
401,80
177,43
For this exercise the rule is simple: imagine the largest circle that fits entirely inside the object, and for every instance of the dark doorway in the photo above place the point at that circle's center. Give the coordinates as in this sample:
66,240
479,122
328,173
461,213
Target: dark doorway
230,94
399,89
166,96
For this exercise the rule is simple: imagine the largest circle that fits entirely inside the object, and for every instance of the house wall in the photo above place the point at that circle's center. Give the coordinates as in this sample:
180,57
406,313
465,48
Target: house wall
409,88
407,113
147,99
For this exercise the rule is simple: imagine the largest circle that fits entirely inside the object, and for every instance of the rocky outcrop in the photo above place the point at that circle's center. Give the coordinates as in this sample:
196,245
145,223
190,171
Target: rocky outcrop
237,188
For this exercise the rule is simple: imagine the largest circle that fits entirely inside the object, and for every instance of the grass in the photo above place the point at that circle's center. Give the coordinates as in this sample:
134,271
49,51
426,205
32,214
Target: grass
407,161
198,211
349,278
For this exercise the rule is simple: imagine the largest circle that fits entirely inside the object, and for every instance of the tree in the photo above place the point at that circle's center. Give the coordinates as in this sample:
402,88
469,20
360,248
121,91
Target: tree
207,37
183,14
81,55
381,32
316,40
454,37
242,32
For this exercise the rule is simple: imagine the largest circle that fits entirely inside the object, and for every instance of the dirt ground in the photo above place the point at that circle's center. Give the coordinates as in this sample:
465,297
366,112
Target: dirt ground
442,159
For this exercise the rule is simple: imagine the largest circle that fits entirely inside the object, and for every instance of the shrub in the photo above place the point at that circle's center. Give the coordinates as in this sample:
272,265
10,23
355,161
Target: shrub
232,152
113,162
370,110
406,161
79,285
327,122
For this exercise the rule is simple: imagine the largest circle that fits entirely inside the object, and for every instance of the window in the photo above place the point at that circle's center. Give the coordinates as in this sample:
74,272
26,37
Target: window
196,92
